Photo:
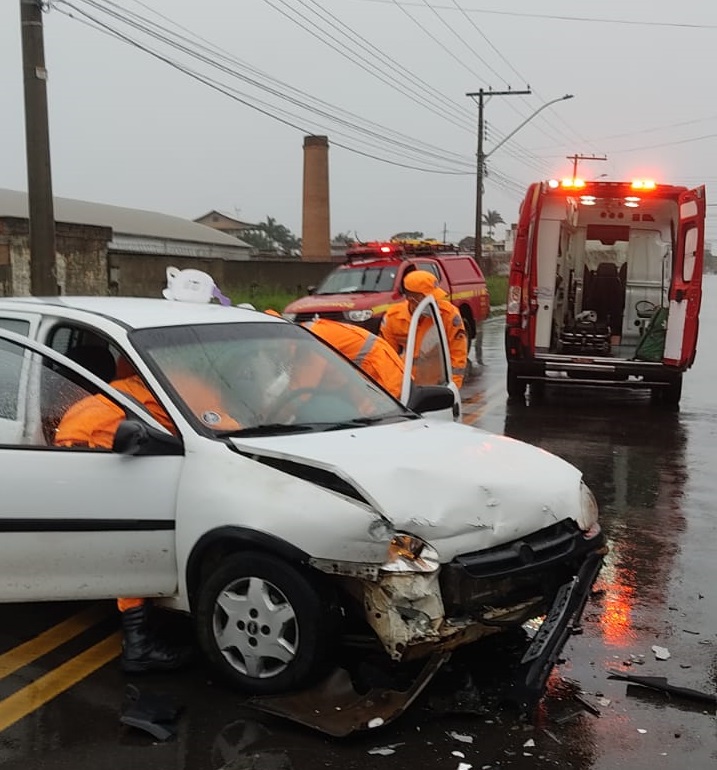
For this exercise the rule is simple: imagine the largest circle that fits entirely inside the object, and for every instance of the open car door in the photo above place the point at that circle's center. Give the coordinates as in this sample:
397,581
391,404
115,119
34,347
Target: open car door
686,287
80,522
427,348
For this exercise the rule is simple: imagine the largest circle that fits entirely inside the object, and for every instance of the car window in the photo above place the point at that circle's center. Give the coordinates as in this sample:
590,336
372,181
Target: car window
354,279
429,362
39,393
431,267
87,348
249,375
11,362
17,325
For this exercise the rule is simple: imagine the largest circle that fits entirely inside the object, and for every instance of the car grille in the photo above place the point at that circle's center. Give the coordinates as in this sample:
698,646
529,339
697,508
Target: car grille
532,566
332,315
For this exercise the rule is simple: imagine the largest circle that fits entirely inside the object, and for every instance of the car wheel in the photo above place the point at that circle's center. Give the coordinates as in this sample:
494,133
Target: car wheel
263,625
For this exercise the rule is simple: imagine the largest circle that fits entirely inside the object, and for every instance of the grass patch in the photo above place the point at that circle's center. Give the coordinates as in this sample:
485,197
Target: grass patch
497,288
264,298
276,298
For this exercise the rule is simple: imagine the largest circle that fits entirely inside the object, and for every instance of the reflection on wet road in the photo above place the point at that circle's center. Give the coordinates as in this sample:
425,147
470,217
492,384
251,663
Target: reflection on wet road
653,475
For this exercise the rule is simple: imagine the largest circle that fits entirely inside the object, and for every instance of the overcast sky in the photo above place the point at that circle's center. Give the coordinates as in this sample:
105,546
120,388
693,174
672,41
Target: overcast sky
387,79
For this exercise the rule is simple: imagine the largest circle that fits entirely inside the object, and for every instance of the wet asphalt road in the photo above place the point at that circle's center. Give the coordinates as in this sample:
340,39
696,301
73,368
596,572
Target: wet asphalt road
653,474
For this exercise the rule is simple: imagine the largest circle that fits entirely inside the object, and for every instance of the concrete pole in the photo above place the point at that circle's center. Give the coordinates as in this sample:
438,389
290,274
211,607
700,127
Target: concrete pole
43,273
316,231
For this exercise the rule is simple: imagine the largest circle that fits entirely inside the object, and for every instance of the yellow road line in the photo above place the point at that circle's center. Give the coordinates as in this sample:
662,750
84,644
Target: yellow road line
51,639
52,684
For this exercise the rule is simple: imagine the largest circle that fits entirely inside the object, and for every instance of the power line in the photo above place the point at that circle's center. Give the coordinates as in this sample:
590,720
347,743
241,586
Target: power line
560,17
242,98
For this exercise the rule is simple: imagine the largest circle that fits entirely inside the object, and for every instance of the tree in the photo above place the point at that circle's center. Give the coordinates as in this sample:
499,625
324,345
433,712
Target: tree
344,239
272,237
407,236
490,220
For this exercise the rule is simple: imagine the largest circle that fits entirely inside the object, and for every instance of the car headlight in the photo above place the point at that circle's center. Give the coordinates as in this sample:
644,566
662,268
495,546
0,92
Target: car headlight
358,316
588,517
410,554
289,316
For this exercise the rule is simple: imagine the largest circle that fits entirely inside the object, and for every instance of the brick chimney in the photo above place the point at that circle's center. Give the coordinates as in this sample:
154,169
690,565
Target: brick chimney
315,233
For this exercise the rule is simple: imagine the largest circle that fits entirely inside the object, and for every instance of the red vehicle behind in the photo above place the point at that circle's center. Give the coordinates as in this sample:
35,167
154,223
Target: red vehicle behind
605,286
360,290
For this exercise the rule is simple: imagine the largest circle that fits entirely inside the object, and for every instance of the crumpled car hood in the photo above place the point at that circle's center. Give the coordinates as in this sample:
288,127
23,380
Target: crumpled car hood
459,488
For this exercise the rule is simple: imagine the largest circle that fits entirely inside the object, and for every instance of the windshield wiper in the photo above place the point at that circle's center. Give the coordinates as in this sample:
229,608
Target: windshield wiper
362,422
270,429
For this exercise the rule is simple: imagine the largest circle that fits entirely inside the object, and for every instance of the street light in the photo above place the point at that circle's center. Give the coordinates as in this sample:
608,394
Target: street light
482,157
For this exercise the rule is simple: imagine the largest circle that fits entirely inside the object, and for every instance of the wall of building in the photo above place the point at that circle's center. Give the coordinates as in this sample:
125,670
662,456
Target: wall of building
81,258
133,275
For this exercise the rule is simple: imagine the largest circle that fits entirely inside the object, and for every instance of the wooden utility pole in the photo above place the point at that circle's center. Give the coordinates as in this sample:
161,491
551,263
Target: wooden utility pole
43,273
480,158
575,158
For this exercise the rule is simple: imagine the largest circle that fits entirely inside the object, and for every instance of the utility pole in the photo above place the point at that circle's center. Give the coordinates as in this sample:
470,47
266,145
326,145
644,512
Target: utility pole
480,158
43,274
575,158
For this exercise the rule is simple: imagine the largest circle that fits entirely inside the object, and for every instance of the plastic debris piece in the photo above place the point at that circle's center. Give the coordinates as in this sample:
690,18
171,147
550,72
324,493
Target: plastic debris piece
464,766
661,653
460,737
605,702
382,751
529,743
458,754
660,683
375,722
153,712
641,730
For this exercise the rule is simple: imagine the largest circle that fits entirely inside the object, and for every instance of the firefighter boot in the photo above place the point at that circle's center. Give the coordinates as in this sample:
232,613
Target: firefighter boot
141,650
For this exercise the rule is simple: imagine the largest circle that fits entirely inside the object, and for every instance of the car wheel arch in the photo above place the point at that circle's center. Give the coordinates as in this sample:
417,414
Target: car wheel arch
218,544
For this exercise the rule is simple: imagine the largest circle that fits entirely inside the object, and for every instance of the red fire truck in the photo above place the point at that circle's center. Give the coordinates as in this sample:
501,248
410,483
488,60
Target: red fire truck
605,286
360,290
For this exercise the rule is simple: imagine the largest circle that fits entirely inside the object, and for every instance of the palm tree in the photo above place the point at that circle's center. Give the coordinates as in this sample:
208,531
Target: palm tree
490,220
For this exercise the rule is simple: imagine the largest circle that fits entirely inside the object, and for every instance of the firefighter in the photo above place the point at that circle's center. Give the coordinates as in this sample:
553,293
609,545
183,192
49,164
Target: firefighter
397,319
373,355
92,422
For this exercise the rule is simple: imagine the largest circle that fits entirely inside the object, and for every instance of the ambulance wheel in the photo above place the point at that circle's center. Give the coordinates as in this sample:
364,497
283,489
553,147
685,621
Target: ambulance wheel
668,396
516,387
263,625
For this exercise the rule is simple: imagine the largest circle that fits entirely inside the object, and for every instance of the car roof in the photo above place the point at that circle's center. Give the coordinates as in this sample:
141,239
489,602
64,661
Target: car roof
138,312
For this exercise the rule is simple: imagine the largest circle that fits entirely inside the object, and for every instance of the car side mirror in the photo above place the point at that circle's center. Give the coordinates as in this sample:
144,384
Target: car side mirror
135,438
430,398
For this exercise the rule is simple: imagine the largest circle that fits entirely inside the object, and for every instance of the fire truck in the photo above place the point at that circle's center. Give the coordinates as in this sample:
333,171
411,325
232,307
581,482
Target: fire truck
371,279
605,286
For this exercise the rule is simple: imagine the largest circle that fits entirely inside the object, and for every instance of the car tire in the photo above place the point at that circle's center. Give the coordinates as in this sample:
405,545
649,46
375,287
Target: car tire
263,625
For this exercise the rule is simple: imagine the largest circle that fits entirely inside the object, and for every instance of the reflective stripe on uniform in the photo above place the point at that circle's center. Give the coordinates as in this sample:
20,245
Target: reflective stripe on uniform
458,372
365,350
457,320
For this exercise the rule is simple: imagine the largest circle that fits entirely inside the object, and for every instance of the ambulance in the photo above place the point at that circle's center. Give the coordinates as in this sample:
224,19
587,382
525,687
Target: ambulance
605,286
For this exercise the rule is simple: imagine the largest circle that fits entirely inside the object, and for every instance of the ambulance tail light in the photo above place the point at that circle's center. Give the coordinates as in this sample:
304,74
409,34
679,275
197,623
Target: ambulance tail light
512,316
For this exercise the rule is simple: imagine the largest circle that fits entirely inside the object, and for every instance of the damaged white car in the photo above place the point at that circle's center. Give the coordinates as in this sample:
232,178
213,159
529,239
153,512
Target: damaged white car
291,502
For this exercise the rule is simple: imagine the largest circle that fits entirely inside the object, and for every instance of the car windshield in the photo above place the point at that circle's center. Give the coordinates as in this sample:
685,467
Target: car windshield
345,280
262,378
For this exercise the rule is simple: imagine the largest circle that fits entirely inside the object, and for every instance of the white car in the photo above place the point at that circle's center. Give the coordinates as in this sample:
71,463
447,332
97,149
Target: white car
292,498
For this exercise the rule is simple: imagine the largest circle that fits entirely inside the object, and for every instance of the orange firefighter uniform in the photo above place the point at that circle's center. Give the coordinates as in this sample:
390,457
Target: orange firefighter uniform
397,320
369,352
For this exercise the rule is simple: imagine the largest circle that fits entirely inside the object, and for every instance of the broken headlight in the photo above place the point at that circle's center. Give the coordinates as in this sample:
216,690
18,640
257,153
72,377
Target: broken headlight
588,517
410,554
